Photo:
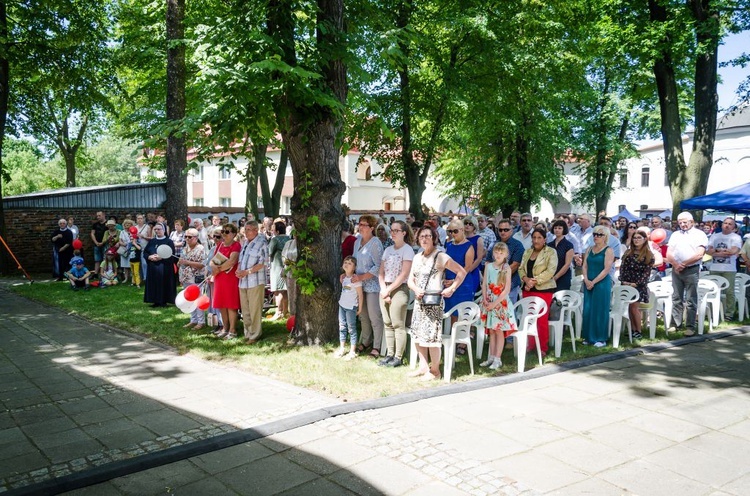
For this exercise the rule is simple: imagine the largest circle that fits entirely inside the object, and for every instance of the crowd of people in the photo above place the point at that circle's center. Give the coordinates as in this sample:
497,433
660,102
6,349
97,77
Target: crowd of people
441,262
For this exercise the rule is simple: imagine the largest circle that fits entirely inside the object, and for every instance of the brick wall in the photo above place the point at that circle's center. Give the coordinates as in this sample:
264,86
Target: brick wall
29,233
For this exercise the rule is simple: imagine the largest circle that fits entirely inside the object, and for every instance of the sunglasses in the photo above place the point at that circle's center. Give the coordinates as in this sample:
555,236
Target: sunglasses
217,236
632,227
503,229
189,237
452,231
225,231
469,224
598,235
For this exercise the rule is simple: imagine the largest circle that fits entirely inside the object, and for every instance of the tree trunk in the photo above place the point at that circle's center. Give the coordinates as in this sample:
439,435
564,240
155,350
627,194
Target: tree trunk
311,132
706,101
176,156
671,126
272,197
524,173
70,167
252,176
4,80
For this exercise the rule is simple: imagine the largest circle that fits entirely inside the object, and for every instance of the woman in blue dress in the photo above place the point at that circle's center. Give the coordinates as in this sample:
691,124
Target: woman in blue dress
477,242
597,289
460,250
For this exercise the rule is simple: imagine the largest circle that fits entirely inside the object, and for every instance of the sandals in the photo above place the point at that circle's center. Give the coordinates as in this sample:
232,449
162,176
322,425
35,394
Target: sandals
375,353
198,327
189,325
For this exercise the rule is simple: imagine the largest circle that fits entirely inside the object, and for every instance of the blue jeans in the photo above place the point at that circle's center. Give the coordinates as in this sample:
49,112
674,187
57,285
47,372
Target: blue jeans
348,322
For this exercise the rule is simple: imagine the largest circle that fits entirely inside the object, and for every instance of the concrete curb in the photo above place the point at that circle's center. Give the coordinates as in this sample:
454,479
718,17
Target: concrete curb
122,468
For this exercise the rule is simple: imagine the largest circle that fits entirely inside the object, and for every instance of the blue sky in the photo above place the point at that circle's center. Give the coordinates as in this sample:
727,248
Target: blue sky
733,46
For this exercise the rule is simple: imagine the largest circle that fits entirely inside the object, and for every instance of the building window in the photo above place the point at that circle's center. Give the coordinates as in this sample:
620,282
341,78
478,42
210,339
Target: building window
644,176
225,202
225,172
624,179
198,174
197,202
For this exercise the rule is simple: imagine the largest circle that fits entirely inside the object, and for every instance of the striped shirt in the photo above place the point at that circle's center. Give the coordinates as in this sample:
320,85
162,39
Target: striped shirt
253,253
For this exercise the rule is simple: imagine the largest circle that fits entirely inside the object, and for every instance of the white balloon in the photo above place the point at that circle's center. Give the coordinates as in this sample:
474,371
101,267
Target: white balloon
184,305
164,251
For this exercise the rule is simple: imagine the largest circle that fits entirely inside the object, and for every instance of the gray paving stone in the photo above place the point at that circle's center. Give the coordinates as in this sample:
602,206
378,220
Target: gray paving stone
270,475
229,458
165,422
160,480
318,487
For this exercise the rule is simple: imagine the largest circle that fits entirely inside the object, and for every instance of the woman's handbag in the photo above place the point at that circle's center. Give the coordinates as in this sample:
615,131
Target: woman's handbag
123,250
431,298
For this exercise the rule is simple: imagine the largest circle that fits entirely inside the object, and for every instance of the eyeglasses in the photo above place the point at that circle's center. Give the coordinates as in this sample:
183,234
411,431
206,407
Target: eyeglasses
503,229
426,236
469,224
451,231
396,230
217,236
226,231
363,224
598,235
638,237
526,220
189,237
632,227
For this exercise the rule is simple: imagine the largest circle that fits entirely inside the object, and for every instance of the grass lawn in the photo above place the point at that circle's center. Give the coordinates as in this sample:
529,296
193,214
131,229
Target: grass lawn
310,367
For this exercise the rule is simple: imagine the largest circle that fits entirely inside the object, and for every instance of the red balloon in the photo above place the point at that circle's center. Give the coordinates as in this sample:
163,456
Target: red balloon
202,302
658,235
290,323
77,244
133,230
192,292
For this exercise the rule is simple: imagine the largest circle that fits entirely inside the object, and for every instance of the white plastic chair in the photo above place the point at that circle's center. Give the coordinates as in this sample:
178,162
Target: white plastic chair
663,290
716,302
571,302
529,310
622,297
479,324
708,294
648,313
741,283
459,333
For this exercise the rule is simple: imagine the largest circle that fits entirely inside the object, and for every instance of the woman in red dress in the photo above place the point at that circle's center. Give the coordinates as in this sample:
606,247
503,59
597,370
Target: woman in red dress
226,285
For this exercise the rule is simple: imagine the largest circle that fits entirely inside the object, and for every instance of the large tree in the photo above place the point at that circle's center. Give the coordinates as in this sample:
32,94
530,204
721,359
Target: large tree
176,154
690,31
309,107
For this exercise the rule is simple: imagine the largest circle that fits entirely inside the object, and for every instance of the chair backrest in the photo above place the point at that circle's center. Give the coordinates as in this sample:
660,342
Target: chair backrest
719,280
461,329
622,296
528,310
661,289
707,288
568,300
741,280
466,310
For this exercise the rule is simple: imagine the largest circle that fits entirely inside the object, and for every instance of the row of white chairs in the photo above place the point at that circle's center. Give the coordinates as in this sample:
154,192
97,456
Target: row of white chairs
528,310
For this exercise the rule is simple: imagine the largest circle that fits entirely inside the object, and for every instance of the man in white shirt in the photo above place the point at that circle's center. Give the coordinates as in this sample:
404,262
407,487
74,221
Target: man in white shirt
685,251
584,236
524,234
724,247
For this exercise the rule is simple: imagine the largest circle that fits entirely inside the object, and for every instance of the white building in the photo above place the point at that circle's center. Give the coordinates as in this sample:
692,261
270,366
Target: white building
644,188
216,184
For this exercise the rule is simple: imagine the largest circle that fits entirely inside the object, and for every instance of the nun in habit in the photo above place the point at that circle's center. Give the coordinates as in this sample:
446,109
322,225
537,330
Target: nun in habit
161,286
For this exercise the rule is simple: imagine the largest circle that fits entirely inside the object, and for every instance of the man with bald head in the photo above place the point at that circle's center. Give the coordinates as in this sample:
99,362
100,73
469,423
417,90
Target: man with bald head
685,251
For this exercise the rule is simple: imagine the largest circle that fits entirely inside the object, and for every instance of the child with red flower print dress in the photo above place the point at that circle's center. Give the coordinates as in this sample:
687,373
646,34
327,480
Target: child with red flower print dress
496,311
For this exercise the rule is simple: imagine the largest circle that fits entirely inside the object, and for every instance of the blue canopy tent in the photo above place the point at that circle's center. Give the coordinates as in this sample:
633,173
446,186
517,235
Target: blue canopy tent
736,199
627,214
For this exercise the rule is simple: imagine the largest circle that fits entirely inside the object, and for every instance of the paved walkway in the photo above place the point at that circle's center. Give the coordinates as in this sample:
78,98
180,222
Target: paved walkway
84,405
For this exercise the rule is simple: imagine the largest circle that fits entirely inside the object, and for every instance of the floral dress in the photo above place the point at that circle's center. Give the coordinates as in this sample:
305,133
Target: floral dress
427,321
499,319
636,272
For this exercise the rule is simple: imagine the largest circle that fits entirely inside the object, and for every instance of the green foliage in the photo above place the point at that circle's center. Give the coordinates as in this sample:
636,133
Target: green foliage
25,169
60,72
